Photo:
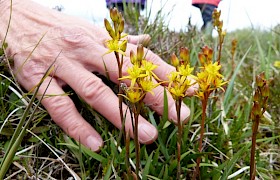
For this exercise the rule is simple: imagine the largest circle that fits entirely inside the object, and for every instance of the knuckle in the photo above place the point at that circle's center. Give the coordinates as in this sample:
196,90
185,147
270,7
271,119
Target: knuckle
92,88
60,107
32,70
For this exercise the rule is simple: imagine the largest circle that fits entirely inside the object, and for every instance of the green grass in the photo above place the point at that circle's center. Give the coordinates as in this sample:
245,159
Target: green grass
46,152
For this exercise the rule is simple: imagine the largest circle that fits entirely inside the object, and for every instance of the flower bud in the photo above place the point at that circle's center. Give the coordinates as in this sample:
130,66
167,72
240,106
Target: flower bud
121,27
185,55
257,108
133,58
174,60
114,14
109,28
201,58
265,90
210,55
205,50
140,52
120,17
256,96
123,46
260,80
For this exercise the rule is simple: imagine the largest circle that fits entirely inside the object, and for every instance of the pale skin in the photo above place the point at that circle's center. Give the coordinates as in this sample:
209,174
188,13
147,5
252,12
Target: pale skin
78,48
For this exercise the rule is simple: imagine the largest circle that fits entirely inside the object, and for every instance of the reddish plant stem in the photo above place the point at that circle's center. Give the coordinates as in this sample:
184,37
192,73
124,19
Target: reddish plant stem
179,137
203,117
136,113
220,50
253,148
122,132
120,63
129,173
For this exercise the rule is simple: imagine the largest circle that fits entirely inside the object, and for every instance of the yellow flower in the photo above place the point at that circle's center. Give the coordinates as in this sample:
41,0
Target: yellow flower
209,79
148,85
148,67
172,77
178,85
179,81
185,70
204,86
218,84
116,46
200,94
277,64
134,73
177,91
213,69
133,95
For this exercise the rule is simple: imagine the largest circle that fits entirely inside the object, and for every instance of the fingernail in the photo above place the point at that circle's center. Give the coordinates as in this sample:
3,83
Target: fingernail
185,113
94,143
147,133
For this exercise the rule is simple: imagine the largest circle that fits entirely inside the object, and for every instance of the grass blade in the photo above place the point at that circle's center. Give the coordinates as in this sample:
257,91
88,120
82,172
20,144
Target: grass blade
21,128
147,166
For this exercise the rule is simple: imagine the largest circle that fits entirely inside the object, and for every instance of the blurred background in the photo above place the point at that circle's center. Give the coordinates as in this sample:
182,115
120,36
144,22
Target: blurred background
236,14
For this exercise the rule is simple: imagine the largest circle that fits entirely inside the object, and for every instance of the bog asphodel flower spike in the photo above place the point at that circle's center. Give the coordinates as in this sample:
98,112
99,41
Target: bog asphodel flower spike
141,78
117,43
259,106
208,79
218,25
179,82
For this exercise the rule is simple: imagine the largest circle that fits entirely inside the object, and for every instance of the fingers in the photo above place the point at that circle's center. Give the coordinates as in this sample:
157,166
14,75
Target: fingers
103,100
193,89
64,113
143,39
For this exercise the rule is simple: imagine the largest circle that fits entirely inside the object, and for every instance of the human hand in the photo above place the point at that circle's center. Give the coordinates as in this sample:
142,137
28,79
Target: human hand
77,48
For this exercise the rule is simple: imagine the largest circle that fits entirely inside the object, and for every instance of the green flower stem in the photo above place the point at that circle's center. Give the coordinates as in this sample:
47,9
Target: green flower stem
179,137
253,148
